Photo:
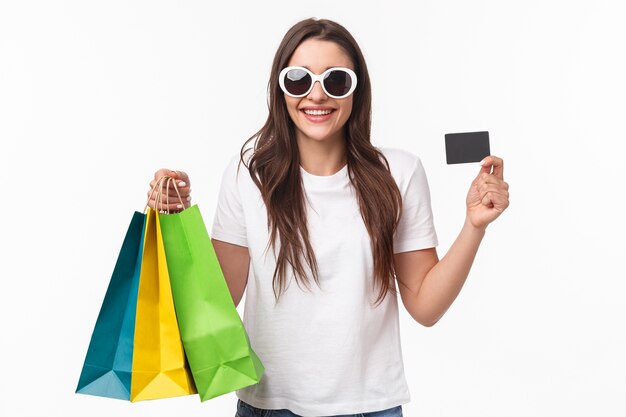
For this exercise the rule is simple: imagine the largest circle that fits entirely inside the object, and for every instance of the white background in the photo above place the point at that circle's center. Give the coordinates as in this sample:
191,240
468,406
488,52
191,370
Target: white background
96,96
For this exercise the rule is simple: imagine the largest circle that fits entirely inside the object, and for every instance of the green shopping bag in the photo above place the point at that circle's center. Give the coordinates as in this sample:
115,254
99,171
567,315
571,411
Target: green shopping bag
215,341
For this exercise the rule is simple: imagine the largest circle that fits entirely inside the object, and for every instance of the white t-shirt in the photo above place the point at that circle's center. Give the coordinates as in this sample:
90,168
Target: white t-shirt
326,351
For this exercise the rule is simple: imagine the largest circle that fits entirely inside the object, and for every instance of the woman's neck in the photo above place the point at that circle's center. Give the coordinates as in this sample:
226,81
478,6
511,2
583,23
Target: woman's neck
322,157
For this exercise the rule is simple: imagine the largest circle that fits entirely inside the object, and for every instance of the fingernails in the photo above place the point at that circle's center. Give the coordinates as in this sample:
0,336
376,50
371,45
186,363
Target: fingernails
182,183
189,198
178,206
482,162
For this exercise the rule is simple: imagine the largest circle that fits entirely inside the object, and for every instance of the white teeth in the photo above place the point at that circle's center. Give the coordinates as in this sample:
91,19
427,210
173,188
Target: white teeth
317,112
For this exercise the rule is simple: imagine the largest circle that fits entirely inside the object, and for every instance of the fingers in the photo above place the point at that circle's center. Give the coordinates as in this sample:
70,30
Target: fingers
172,207
180,175
493,192
172,196
177,175
492,189
171,191
496,200
483,178
162,172
494,162
182,179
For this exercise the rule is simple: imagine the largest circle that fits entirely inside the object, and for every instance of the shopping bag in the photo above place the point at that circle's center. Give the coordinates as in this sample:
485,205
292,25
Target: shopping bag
215,340
107,368
159,368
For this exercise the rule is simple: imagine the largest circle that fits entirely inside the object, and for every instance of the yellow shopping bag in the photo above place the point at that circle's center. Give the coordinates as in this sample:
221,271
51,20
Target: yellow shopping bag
160,368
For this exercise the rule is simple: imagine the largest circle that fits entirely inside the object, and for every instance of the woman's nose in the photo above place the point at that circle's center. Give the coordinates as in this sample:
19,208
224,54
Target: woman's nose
317,93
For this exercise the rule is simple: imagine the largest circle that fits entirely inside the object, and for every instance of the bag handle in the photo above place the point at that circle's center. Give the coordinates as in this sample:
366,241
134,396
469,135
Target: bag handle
158,202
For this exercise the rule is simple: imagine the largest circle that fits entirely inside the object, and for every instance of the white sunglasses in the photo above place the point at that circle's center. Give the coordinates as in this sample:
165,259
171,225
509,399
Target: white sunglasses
337,82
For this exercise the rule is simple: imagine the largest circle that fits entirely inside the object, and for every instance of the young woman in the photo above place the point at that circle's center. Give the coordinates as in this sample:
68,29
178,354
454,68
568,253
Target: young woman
314,200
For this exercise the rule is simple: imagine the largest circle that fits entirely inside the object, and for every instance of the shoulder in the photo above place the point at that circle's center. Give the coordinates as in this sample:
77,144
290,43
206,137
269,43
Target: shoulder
401,162
236,164
407,170
237,176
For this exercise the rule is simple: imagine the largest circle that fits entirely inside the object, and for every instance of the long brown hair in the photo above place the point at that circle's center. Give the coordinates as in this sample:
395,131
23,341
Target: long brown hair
276,161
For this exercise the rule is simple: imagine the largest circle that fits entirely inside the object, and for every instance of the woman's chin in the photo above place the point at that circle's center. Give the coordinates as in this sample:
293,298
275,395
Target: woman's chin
319,135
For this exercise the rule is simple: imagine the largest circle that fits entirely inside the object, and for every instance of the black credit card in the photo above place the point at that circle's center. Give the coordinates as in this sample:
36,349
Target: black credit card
467,147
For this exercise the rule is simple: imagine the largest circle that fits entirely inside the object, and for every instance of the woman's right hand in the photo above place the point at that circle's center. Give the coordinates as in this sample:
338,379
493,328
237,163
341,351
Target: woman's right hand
183,184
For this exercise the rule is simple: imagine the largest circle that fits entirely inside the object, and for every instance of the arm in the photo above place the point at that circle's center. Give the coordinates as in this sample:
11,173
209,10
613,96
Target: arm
235,262
428,286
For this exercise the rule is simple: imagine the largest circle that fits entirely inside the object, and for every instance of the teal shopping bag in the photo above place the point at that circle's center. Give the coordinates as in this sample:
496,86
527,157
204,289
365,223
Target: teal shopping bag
107,368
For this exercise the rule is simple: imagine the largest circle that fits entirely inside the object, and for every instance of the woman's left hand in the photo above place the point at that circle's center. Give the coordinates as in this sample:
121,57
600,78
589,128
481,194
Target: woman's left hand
488,196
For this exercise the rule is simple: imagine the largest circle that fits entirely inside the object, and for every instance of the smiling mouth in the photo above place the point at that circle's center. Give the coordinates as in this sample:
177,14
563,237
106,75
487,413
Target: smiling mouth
317,112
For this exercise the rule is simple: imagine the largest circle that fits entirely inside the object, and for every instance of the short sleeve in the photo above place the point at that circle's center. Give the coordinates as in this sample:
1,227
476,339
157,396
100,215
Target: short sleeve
229,223
416,229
